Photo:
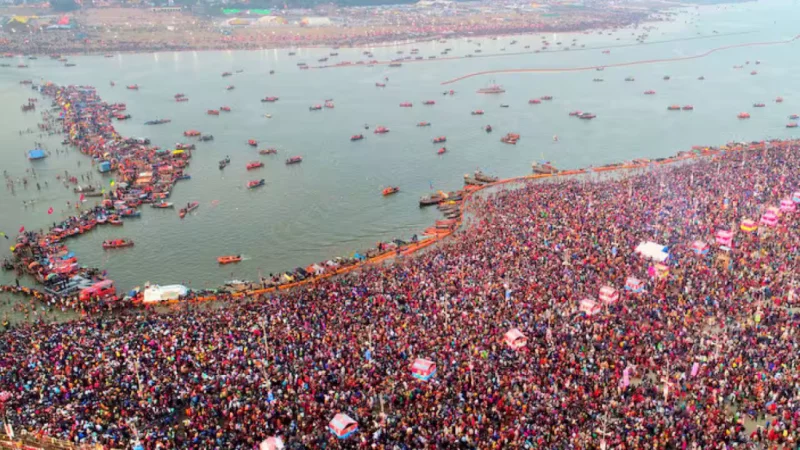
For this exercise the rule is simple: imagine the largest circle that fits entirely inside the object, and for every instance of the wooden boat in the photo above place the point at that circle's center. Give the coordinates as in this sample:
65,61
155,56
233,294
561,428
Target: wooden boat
189,208
117,243
162,205
268,151
390,190
229,259
255,183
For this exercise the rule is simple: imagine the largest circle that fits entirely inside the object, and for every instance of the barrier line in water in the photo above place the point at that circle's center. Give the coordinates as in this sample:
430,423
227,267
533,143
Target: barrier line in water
625,64
531,52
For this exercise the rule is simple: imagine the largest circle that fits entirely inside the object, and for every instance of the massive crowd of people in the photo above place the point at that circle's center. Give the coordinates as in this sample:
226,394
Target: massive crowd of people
703,357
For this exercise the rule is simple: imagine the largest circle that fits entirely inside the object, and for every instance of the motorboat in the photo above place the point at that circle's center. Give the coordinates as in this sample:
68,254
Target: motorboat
424,124
477,112
534,101
390,190
268,151
255,183
269,99
117,243
189,208
381,130
439,139
162,205
294,160
252,142
743,115
587,116
229,259
674,108
254,165
356,137
441,151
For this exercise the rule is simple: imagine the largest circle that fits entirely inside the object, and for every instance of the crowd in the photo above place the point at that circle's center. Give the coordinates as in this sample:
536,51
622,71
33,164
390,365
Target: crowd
703,357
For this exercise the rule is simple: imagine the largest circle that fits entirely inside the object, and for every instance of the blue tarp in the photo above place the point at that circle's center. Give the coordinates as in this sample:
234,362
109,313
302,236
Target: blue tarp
36,153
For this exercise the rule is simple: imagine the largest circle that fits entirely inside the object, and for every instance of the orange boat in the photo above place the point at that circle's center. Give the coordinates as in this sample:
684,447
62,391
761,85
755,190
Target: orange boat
424,124
191,133
510,138
254,165
674,107
390,190
650,92
791,125
381,130
117,243
743,115
440,139
441,151
213,112
429,102
406,105
268,151
229,259
252,142
225,108
779,100
477,112
534,101
688,108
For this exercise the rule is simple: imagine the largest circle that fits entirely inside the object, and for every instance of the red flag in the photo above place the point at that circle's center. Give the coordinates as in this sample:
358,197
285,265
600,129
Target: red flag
82,198
50,210
22,229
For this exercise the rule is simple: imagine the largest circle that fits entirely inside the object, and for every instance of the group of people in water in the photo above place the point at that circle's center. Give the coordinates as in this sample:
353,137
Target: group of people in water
697,350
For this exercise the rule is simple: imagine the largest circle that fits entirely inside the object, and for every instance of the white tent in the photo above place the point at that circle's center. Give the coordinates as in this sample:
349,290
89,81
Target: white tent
155,293
653,251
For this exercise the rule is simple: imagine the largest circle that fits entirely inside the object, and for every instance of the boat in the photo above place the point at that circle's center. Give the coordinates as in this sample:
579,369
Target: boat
381,130
406,105
477,112
122,116
649,92
191,133
70,65
268,151
396,64
223,163
182,99
252,142
543,167
674,108
433,199
207,137
180,146
180,95
547,97
225,108
356,137
510,138
254,165
666,77
329,105
213,112
491,89
758,105
754,73
133,87
292,53
439,139
441,151
794,116
791,125
380,84
117,243
323,59
189,208
229,259
701,78
269,99
575,113
130,212
114,220
226,74
743,115
424,124
390,190
157,121
480,176
294,160
597,80
503,105
630,79
429,102
162,205
255,183
315,108
268,116
688,108
779,100
587,116
534,101
230,88
487,128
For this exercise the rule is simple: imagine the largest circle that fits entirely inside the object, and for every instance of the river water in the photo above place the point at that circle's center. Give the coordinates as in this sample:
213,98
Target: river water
331,204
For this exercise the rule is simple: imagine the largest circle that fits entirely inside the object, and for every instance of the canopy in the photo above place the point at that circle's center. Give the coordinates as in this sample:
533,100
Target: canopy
796,197
748,225
608,294
769,219
700,247
423,369
515,339
662,270
272,443
36,153
634,284
342,426
787,205
589,307
652,250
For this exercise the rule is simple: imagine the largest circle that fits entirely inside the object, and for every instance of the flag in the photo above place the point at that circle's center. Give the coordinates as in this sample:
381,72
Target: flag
368,355
112,183
82,198
22,229
695,369
270,397
50,210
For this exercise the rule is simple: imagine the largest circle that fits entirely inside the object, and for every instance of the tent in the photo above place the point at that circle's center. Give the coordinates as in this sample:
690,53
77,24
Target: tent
769,219
589,307
515,339
155,293
634,284
36,153
796,197
652,250
748,225
787,205
342,426
272,443
423,369
700,247
608,294
724,237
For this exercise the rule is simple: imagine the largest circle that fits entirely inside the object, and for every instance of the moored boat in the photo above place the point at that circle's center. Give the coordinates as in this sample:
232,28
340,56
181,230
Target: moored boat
207,137
778,99
429,102
230,88
543,167
794,116
491,89
157,121
441,151
759,105
534,101
133,87
547,97
487,128
162,205
182,99
575,113
191,133
510,138
688,108
406,105
649,92
791,125
315,108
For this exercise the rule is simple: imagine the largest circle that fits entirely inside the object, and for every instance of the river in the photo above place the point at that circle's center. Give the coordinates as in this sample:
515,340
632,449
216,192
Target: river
331,204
